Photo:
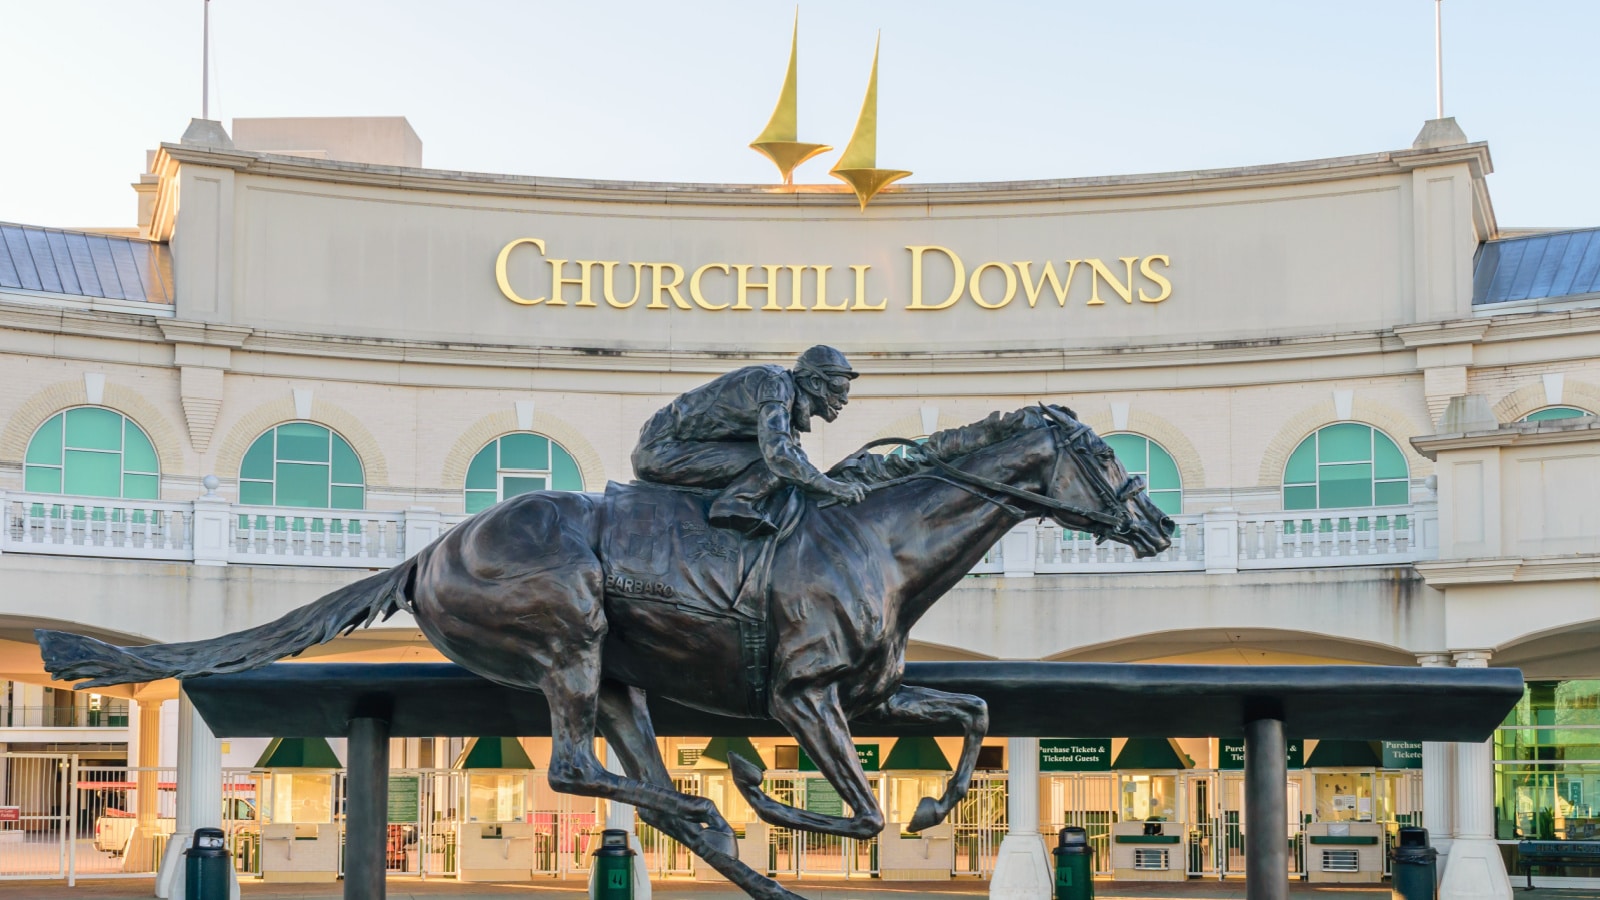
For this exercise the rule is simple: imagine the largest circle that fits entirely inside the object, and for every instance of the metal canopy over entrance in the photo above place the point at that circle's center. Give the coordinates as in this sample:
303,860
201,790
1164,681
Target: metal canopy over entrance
371,703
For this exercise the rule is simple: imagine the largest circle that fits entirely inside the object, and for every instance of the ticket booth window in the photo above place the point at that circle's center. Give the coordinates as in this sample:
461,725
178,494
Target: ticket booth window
1344,797
303,798
1149,798
496,796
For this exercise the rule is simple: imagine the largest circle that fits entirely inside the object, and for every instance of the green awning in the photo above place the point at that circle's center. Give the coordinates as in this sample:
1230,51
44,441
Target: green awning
717,752
1152,753
1362,754
299,753
494,753
916,754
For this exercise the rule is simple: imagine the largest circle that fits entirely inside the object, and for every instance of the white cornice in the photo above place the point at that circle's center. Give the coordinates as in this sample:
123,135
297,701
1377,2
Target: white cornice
1474,156
1508,569
1518,434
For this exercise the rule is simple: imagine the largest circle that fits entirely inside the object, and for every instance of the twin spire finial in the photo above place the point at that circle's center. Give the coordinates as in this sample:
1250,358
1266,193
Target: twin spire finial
857,166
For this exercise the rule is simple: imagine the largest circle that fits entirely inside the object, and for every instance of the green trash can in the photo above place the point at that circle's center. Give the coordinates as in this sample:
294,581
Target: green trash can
1415,862
205,866
1074,868
613,867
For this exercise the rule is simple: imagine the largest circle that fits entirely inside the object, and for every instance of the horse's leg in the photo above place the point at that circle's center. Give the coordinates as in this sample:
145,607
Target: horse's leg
819,725
924,706
625,722
571,685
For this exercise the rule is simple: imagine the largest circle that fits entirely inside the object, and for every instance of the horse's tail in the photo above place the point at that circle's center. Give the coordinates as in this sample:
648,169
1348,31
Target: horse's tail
71,656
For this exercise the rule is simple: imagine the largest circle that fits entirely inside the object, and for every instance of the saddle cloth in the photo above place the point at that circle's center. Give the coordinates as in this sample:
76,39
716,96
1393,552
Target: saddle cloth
656,544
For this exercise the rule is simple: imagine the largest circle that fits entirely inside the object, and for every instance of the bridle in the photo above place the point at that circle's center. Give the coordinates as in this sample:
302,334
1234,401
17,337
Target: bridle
1071,439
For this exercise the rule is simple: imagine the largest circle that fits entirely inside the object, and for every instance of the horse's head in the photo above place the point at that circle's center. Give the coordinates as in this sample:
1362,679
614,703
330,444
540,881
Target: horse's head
1095,492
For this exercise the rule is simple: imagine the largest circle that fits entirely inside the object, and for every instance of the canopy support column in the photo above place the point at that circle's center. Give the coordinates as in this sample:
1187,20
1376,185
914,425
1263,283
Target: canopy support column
1266,841
366,809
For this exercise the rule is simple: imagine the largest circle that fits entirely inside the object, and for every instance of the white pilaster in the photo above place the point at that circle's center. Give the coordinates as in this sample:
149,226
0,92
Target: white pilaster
1438,780
1022,867
212,529
422,527
1018,549
1221,527
1474,869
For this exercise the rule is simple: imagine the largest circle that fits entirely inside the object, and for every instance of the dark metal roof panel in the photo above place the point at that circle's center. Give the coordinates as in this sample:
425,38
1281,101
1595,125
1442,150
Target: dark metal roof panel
1537,267
84,265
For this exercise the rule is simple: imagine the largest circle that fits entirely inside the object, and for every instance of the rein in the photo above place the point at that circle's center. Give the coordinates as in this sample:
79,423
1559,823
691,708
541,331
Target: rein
1113,517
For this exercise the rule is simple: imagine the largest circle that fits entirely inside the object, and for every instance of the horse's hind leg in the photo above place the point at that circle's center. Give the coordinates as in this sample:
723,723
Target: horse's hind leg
625,722
815,719
572,688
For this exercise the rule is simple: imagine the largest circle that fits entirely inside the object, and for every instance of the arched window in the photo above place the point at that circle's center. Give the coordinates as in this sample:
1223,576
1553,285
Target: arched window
1555,412
516,464
302,464
92,451
1345,466
1142,456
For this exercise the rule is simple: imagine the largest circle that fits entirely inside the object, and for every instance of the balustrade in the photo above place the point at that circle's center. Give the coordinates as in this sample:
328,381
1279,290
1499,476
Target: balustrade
211,531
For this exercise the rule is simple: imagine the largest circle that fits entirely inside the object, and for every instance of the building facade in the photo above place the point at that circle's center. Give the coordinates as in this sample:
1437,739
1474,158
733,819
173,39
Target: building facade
1368,407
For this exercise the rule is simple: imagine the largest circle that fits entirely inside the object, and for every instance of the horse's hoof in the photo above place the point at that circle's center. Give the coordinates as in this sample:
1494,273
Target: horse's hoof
926,816
722,842
745,772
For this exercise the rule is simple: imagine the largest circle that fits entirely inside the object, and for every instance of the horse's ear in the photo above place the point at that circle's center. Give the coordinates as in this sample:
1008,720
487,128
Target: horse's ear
1059,413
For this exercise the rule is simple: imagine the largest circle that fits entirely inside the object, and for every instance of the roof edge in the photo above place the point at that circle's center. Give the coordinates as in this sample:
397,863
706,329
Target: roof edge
1475,155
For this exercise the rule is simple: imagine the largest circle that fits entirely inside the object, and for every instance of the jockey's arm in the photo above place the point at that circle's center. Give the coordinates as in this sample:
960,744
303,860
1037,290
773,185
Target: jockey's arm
786,460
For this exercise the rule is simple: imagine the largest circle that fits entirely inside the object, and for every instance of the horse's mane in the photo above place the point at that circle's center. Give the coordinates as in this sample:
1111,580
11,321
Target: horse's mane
867,467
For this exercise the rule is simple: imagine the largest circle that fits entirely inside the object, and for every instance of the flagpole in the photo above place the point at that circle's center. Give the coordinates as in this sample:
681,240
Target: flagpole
205,62
1439,60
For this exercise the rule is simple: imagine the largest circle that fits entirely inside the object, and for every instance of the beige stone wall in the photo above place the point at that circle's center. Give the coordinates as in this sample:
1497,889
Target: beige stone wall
1348,245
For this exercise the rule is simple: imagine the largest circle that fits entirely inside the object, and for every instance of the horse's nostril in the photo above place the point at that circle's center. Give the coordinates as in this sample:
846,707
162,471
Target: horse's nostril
1168,527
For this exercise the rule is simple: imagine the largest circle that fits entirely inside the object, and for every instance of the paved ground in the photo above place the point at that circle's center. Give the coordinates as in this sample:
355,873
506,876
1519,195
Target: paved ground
865,889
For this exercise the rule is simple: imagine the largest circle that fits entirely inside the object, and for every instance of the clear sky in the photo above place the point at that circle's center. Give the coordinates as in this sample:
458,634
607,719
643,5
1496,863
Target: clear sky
675,91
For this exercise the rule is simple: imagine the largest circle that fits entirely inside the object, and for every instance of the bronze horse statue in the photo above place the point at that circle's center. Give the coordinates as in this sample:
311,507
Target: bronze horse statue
521,594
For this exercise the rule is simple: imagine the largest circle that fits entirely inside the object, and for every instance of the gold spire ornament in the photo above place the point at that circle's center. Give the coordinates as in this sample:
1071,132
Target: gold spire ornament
858,163
779,140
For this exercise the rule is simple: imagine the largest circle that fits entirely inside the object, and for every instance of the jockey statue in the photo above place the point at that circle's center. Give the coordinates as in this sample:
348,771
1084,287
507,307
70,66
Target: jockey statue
741,434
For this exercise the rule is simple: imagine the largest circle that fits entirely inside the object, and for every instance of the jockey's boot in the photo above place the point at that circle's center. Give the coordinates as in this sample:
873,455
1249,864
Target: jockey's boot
742,505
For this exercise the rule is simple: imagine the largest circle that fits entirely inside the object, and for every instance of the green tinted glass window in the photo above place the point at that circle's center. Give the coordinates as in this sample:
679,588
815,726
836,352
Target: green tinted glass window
137,453
1142,456
303,442
1348,465
258,460
302,464
1388,461
45,448
92,451
1555,412
94,428
141,487
346,465
481,473
516,464
42,480
529,452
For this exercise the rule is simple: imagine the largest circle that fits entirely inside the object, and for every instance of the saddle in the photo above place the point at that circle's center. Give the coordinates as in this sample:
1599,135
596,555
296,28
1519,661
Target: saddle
657,545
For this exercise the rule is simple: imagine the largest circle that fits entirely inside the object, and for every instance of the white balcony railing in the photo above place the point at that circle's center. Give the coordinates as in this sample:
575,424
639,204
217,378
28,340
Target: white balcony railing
211,531
1224,541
